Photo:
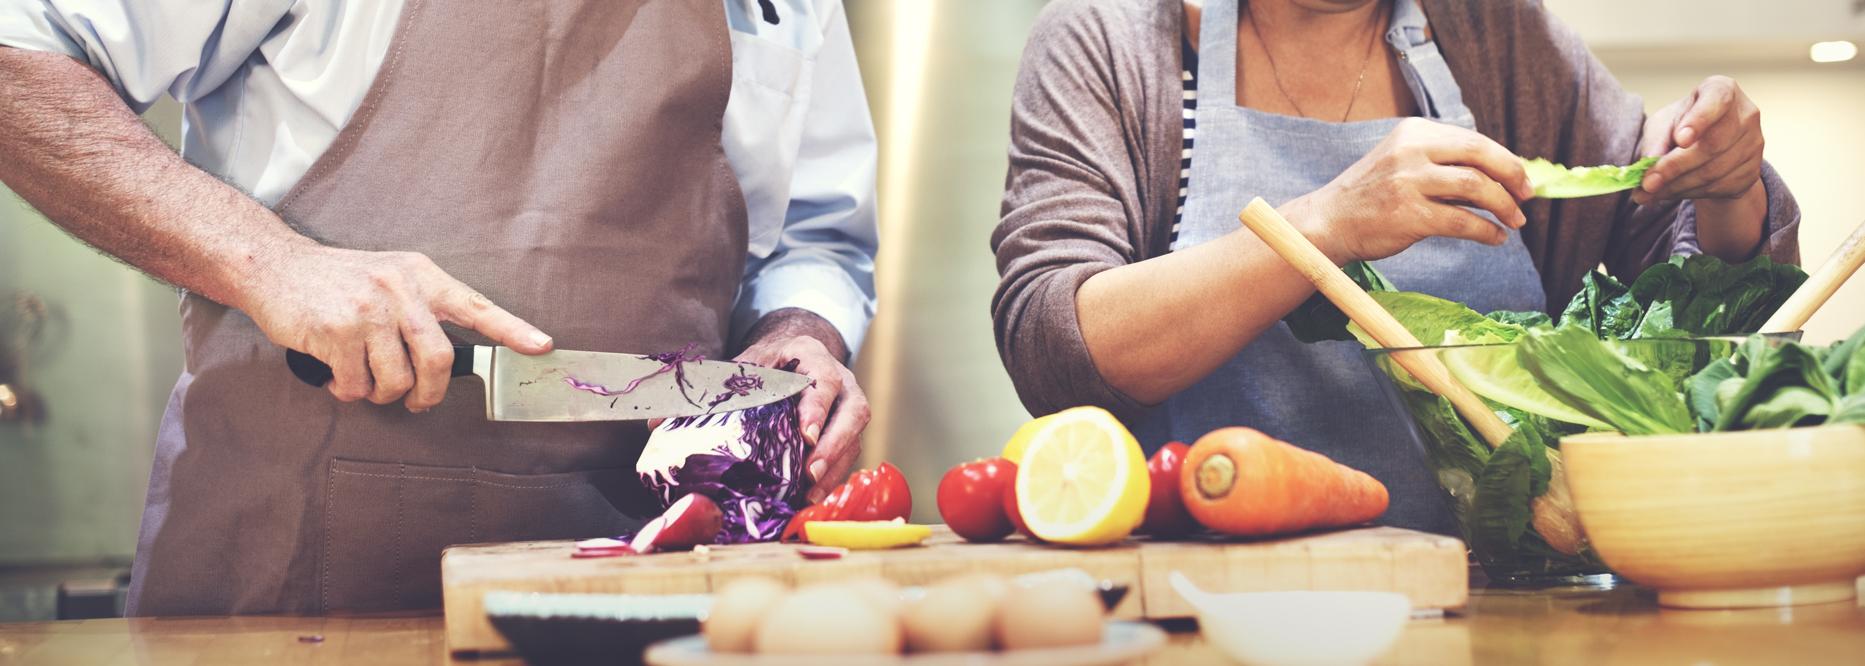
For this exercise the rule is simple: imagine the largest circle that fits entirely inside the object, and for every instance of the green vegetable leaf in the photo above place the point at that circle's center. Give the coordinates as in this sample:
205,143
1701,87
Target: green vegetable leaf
1604,306
1598,378
1851,409
1517,472
1494,372
1522,319
1317,319
1719,378
1783,385
1716,298
1553,181
1432,320
1845,362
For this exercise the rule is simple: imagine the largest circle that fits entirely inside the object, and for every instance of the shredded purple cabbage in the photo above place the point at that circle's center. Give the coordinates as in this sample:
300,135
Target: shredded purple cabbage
673,361
756,478
741,384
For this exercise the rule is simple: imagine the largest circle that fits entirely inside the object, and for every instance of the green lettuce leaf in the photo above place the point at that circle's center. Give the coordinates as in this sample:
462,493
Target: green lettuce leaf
1553,181
1599,378
1516,473
1604,306
1432,320
1522,319
1710,297
1783,384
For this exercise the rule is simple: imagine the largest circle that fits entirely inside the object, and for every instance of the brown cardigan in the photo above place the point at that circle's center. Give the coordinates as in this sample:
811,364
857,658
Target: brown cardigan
1094,157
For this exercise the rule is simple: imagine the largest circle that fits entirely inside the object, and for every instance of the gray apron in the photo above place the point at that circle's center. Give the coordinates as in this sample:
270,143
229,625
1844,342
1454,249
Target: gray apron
561,156
1325,397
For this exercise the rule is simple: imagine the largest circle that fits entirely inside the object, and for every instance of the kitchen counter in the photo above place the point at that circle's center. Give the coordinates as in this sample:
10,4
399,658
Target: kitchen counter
1558,626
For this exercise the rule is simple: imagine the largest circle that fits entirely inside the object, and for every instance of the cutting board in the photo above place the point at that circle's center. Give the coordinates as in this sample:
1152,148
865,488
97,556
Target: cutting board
1432,570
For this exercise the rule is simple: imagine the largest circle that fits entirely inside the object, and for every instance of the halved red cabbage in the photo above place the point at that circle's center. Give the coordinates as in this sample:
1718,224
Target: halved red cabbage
749,462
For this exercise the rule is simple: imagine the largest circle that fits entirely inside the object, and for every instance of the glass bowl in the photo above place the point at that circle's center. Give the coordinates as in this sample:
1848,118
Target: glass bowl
1495,498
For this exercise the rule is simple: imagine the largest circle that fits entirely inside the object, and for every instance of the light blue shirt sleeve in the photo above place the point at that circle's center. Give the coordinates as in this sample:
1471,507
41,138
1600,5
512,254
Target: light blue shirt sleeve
149,47
824,258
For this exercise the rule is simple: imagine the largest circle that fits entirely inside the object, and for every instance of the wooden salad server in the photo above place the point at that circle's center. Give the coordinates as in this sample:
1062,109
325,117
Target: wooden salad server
1554,516
1820,285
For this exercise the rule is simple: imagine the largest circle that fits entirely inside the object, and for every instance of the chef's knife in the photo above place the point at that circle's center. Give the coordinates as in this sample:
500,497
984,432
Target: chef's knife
589,386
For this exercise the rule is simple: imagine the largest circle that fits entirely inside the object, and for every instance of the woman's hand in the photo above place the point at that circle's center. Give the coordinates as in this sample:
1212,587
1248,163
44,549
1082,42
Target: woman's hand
1412,186
1710,142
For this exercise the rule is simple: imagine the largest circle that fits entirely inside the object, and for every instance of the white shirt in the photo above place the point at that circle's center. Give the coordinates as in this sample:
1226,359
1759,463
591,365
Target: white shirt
267,85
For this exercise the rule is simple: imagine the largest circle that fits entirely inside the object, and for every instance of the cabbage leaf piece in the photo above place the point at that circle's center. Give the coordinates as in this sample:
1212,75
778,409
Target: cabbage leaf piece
1553,181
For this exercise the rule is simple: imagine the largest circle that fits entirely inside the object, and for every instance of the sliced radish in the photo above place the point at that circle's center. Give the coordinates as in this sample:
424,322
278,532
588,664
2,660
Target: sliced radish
692,520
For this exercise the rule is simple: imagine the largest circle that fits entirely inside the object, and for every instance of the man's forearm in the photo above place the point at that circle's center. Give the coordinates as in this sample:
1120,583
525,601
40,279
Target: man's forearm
75,152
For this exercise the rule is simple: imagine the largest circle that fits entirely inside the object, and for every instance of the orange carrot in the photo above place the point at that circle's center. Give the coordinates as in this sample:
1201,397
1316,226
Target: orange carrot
1243,482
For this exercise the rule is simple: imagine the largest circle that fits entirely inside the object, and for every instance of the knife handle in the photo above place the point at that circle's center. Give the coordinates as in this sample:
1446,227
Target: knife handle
316,373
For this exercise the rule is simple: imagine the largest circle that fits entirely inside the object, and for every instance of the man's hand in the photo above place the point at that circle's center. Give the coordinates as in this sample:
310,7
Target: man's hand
1709,145
374,317
834,411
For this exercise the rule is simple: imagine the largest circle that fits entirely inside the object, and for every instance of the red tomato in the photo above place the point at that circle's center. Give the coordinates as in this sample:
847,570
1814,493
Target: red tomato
1165,508
971,498
1010,505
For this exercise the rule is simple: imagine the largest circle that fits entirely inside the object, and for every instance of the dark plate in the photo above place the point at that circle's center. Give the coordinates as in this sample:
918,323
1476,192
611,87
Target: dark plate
549,629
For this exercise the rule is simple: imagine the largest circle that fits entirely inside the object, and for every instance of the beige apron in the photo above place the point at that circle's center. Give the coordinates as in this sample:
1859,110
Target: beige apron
562,157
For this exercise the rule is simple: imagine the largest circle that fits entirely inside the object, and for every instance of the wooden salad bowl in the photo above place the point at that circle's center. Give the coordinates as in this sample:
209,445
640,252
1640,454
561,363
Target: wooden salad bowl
1744,519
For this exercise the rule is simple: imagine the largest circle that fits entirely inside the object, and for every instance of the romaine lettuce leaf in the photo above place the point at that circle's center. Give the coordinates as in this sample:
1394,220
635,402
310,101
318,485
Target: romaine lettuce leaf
1599,378
1433,320
1553,181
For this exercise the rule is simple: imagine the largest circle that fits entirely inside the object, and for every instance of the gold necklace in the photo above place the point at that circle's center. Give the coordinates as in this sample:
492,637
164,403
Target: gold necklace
1276,74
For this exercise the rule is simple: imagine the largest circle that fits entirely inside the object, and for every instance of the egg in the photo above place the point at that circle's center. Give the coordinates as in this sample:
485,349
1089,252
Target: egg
736,610
879,591
1048,614
958,614
833,619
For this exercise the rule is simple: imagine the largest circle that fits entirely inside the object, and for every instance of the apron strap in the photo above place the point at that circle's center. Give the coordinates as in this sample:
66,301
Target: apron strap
1423,66
1217,34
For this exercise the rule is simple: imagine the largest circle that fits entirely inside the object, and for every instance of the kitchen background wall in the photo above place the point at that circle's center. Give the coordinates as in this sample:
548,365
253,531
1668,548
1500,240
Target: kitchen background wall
939,77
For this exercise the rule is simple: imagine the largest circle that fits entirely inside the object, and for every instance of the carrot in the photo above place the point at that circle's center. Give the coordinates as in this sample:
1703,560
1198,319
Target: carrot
1243,482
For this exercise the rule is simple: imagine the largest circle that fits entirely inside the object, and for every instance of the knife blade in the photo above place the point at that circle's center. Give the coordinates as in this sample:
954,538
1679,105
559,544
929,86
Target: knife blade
567,385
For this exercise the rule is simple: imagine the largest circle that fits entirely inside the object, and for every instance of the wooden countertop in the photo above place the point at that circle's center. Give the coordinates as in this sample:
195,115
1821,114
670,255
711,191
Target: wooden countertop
1560,626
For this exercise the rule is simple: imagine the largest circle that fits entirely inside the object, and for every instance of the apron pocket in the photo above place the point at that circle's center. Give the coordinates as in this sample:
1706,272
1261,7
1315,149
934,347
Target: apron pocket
385,524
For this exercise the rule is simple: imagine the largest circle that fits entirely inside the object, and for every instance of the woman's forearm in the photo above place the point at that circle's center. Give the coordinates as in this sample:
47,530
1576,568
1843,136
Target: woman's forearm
1158,326
1730,229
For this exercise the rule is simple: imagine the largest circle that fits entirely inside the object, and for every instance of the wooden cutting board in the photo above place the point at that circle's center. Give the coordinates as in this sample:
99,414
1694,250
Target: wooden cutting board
1432,570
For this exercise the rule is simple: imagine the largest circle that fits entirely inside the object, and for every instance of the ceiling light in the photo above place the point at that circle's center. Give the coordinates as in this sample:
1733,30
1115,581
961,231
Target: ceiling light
1832,51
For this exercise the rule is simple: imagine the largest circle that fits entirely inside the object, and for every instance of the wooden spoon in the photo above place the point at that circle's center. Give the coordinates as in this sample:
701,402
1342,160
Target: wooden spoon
1554,515
1820,286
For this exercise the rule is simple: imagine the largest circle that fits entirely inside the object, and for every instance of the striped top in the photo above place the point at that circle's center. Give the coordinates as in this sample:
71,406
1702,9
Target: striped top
1188,74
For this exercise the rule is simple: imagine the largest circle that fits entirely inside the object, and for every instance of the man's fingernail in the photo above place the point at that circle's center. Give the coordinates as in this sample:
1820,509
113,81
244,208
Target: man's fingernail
812,432
540,340
1653,182
1686,134
817,469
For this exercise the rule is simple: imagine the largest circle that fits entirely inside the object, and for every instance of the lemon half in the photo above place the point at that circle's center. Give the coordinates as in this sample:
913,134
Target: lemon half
1081,478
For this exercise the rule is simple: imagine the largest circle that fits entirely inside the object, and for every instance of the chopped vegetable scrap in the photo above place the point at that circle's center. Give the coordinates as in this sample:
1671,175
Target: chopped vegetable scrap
741,384
1553,181
673,361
